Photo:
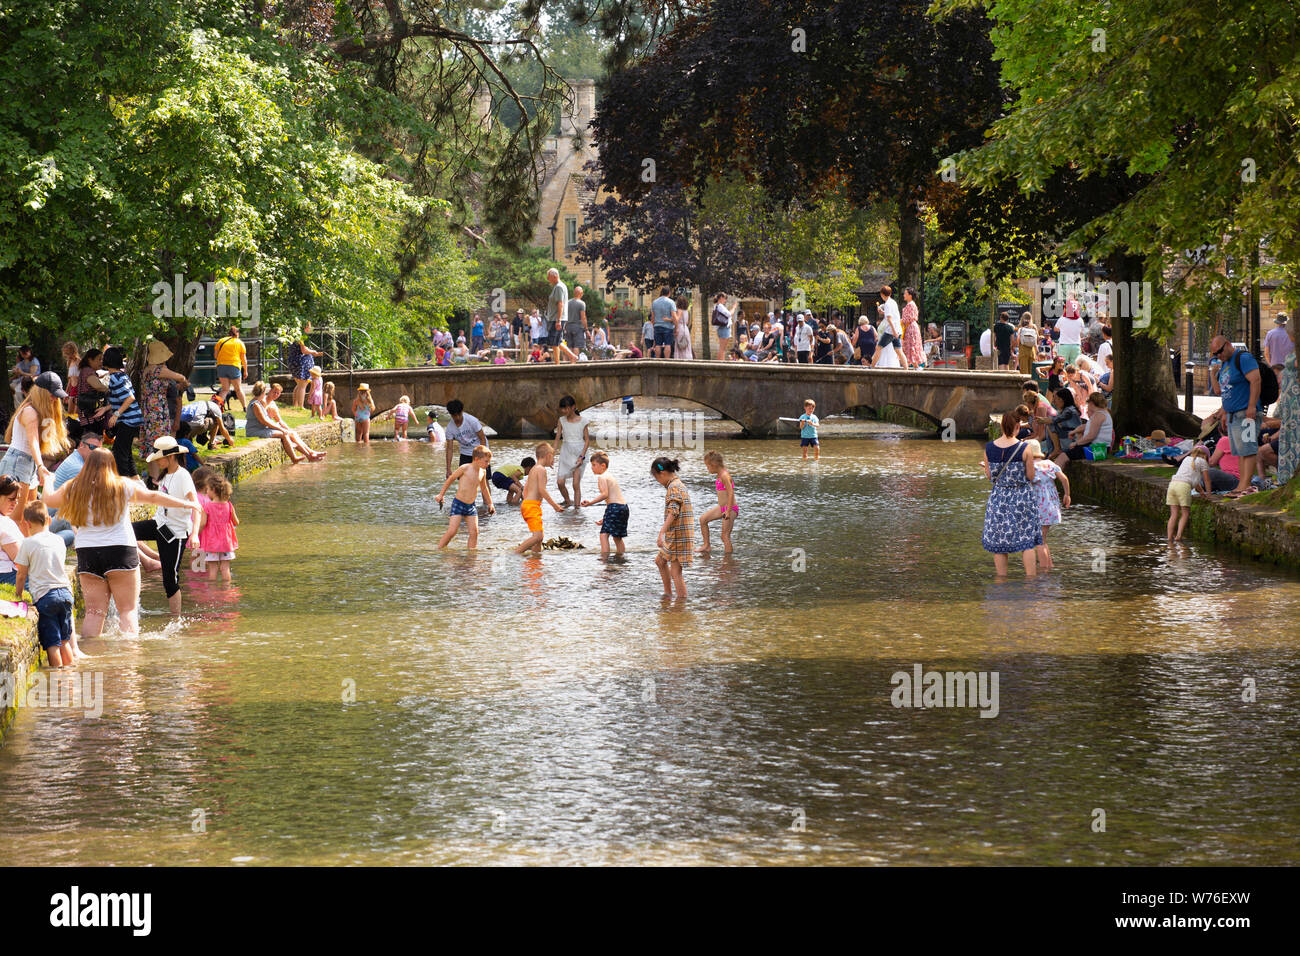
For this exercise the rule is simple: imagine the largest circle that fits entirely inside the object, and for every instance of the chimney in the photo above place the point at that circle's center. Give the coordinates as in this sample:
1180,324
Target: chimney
576,118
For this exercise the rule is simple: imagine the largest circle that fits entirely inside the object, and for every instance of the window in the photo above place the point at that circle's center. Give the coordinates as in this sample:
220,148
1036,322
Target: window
570,232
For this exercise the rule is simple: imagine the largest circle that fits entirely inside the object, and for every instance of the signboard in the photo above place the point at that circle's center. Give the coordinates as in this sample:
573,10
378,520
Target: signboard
954,338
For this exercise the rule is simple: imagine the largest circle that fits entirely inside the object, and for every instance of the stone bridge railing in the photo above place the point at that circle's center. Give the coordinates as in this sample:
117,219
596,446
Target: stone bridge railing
515,399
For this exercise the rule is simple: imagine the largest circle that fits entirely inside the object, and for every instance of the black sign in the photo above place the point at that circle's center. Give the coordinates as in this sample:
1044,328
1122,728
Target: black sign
954,337
1013,310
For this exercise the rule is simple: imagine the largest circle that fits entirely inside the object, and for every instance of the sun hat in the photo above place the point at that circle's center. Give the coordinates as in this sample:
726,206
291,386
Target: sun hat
51,383
1158,435
165,446
1207,428
158,353
315,370
1280,318
363,387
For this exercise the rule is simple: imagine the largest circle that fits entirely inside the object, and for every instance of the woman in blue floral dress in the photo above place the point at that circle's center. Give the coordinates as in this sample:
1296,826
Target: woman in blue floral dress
1011,516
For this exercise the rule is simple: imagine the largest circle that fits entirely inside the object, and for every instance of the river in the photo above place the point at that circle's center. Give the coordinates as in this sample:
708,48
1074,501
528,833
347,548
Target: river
359,698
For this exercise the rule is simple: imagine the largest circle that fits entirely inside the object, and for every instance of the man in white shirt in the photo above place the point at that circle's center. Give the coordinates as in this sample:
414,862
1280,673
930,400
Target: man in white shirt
803,337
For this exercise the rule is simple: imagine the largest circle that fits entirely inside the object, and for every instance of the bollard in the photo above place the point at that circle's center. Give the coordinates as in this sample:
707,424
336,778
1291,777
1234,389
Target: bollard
1187,387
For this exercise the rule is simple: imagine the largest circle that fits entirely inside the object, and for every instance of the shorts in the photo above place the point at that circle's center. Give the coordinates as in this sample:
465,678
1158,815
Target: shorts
218,555
1068,352
531,512
55,624
230,371
553,339
1238,432
97,562
1179,493
664,336
808,442
1076,453
466,459
575,338
1004,358
502,481
649,344
19,466
459,508
724,331
614,523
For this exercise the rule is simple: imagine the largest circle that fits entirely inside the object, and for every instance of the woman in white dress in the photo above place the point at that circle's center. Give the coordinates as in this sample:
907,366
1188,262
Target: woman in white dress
890,330
682,317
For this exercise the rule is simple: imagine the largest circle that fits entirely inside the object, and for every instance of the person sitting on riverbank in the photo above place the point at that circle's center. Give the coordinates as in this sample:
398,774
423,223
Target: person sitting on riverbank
1099,429
1066,420
264,421
1194,470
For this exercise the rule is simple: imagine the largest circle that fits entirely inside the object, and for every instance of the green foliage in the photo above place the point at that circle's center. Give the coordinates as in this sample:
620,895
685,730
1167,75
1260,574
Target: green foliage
1196,107
521,275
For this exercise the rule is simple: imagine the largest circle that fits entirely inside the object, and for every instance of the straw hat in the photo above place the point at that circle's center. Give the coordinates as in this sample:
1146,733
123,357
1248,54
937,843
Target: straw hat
1208,427
363,387
1032,447
315,370
1158,435
165,446
158,353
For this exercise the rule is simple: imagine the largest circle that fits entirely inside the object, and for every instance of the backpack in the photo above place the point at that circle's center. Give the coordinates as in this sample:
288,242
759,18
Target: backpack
1268,386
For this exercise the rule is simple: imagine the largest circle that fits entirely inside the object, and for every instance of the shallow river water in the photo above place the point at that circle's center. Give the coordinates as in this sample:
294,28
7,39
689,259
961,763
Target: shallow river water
554,710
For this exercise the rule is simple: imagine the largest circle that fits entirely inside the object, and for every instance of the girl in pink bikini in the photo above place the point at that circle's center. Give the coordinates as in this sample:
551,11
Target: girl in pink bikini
725,510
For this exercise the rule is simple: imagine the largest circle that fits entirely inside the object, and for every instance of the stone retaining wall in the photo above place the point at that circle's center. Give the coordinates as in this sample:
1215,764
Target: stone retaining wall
266,453
20,653
1263,533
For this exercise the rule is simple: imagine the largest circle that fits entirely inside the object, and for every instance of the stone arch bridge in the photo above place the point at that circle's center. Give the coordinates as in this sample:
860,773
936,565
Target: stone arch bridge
517,399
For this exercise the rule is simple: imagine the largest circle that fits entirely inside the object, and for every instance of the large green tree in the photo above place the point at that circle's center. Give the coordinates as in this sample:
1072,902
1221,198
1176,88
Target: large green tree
1167,127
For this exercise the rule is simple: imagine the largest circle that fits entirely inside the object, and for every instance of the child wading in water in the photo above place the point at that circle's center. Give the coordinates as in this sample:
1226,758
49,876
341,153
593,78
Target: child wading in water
614,523
217,525
1046,474
1195,468
677,536
575,437
808,423
403,413
363,406
725,510
530,509
471,477
201,476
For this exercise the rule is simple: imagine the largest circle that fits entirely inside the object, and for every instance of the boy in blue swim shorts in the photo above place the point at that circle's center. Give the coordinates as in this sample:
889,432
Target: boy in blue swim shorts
614,523
471,478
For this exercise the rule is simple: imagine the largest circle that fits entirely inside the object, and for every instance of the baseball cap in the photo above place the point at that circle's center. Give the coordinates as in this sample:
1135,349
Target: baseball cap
51,383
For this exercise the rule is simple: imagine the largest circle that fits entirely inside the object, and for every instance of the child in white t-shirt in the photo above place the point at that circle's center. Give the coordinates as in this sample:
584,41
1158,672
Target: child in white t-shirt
1194,468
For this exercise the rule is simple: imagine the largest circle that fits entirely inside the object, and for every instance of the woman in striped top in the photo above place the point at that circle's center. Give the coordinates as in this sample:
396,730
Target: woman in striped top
126,418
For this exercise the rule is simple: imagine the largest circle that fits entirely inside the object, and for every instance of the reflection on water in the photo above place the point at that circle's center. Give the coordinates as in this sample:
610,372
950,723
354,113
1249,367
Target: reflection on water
359,698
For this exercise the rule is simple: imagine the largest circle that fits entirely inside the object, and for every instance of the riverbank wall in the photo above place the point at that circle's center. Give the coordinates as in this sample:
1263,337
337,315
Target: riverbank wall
266,453
1250,525
20,653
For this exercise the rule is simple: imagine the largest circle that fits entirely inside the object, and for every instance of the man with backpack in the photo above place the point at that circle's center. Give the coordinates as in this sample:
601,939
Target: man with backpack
1247,388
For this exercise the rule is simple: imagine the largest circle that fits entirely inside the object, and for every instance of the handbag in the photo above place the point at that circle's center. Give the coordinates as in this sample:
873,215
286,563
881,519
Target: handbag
718,319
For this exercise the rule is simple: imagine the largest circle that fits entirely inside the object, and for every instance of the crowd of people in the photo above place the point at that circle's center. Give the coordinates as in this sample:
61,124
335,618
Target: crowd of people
92,429
1255,431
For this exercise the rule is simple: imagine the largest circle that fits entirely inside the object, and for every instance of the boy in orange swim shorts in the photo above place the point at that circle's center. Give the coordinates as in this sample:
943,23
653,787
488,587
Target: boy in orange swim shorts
534,491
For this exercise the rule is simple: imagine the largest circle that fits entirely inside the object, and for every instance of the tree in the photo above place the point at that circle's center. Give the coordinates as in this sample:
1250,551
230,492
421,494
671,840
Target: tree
500,273
1162,130
720,243
805,99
